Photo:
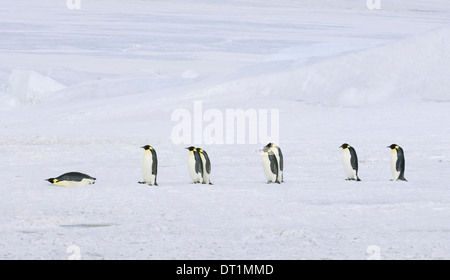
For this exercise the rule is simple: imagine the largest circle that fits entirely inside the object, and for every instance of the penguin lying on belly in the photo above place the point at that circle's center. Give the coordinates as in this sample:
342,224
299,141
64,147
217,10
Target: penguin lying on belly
71,179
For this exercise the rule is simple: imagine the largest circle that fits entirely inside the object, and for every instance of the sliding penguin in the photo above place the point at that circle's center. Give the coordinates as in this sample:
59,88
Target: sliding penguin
71,179
350,161
195,165
206,163
149,166
397,162
272,160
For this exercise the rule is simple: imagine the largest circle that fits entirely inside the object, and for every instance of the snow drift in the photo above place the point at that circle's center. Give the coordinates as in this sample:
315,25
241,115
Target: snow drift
413,69
31,87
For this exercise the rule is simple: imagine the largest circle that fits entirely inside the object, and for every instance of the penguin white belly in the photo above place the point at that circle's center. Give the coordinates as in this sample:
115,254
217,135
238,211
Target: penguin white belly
147,163
346,160
83,182
196,177
394,159
267,171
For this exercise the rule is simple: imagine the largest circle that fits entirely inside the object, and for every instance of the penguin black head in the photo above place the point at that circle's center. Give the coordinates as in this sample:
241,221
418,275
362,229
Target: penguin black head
266,148
345,146
147,147
191,148
51,180
393,146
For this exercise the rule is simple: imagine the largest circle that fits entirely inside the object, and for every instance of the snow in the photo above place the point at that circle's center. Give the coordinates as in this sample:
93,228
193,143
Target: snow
30,86
84,89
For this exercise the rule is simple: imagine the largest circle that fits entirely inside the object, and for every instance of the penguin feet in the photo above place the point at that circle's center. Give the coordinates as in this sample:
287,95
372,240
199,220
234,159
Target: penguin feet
352,179
141,182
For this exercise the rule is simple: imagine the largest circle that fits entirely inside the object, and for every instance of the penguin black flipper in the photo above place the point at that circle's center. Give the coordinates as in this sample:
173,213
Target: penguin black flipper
273,163
354,161
154,163
400,164
281,158
208,162
198,163
74,176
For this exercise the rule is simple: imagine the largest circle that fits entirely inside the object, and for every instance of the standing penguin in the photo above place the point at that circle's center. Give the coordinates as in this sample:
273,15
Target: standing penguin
149,166
279,156
195,165
206,163
350,161
272,160
397,162
71,179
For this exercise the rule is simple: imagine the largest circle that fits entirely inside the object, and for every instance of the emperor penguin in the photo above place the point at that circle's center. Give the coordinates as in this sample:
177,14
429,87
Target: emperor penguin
397,162
149,166
195,165
272,160
279,156
71,179
350,161
206,163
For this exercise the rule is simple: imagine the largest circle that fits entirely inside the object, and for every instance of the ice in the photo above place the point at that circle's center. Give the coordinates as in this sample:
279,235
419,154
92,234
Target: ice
83,89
